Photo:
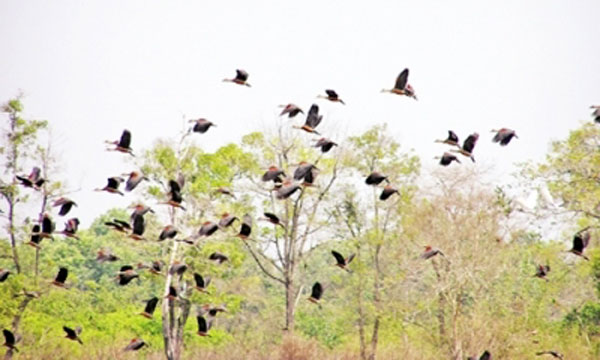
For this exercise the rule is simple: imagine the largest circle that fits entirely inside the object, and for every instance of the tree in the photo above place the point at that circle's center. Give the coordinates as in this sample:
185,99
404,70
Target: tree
18,147
374,224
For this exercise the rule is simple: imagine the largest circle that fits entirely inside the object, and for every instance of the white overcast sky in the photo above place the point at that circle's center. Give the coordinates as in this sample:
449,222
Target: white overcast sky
93,68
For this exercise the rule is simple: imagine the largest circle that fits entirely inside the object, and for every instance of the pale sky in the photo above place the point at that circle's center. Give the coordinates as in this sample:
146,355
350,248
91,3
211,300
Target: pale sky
94,68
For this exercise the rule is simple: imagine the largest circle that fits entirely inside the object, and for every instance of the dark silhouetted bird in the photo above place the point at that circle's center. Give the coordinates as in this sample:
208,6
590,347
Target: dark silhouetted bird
580,241
33,180
134,178
9,340
273,174
112,185
73,334
4,275
341,261
65,205
126,274
387,192
430,252
542,271
316,293
61,277
203,325
291,110
402,87
150,307
452,139
135,345
313,119
218,257
246,228
325,144
241,78
201,282
332,96
504,136
447,159
123,144
375,178
201,125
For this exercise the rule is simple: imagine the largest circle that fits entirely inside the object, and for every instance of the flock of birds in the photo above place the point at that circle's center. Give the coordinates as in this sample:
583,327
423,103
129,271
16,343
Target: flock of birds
284,187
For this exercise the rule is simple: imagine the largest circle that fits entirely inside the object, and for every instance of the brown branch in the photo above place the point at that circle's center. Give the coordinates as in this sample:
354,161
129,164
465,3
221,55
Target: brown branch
261,266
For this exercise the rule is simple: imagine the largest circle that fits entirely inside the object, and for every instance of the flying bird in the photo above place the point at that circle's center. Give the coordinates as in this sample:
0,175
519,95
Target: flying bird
313,119
168,232
33,180
119,225
48,227
71,227
272,218
225,191
150,307
208,228
123,144
61,277
106,256
134,178
172,294
203,325
306,172
402,87
178,268
447,159
126,274
430,252
241,78
246,228
342,262
155,267
65,205
316,293
218,257
291,110
325,144
542,271
376,178
112,185
226,220
201,282
73,334
9,340
468,146
504,136
135,345
138,228
286,190
332,96
596,112
580,241
175,198
387,192
273,174
35,239
212,311
201,125
452,139
4,275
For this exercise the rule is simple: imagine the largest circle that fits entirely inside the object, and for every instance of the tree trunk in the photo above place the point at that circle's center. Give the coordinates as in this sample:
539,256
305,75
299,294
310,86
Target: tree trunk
290,304
361,312
168,314
11,231
377,302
